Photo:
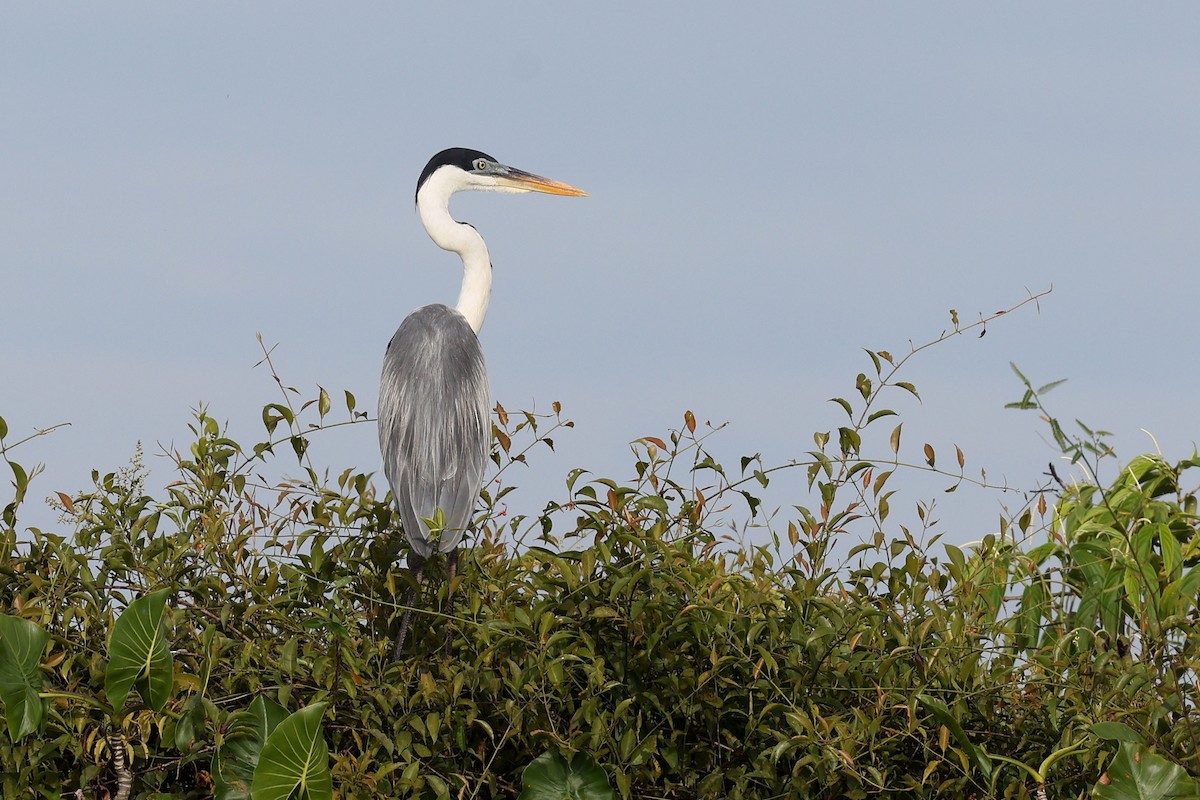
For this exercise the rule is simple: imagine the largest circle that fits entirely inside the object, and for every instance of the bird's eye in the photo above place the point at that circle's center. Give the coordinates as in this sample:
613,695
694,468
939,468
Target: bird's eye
480,164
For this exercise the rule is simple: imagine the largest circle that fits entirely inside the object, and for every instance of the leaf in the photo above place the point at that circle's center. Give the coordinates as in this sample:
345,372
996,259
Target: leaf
274,413
929,454
1117,732
874,360
863,384
845,404
234,763
550,777
20,478
1025,403
138,653
1138,773
957,560
295,757
21,646
67,502
1172,552
882,478
689,421
978,755
849,440
895,440
323,402
1182,592
190,722
886,412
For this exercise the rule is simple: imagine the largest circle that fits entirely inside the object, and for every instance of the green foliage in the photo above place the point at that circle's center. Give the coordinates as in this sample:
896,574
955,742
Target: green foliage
631,635
138,653
295,759
978,756
238,754
550,777
21,646
1139,774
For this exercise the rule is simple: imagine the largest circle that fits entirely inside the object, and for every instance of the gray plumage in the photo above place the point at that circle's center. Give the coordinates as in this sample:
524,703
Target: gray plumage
434,420
434,424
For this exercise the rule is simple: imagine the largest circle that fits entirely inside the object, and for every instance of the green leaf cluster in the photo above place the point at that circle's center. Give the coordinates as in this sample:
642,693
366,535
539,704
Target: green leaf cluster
663,635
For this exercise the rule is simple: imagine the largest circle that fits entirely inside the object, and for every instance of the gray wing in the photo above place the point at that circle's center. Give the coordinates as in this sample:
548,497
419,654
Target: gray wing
434,423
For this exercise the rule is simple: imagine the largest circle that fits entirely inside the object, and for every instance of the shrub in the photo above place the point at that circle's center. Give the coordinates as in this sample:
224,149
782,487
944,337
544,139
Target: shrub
835,659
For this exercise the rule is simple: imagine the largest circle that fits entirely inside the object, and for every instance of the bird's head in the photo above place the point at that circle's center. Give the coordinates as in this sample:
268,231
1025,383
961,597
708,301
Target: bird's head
460,169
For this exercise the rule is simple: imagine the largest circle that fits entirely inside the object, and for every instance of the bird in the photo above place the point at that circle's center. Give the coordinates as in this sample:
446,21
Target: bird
434,397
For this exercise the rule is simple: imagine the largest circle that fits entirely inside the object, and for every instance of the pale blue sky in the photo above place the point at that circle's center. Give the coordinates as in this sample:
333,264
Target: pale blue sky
772,189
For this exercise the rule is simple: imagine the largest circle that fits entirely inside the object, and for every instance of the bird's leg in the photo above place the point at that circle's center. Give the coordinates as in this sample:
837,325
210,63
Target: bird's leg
451,571
416,568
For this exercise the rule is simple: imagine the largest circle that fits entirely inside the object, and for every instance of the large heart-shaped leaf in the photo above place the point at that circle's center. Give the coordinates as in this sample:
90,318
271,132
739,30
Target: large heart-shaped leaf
1138,773
550,777
295,757
21,645
138,653
234,763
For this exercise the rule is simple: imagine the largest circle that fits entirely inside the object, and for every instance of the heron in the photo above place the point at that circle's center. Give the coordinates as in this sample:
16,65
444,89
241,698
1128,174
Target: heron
434,399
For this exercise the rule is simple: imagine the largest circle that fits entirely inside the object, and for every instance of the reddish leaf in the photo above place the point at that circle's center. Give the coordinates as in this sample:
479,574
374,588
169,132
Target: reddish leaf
68,504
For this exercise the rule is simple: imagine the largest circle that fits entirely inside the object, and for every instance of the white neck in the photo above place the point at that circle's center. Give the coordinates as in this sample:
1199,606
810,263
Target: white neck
433,203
